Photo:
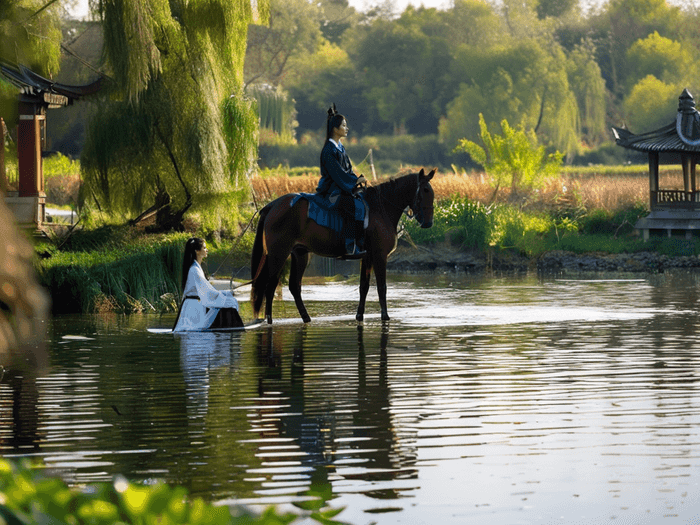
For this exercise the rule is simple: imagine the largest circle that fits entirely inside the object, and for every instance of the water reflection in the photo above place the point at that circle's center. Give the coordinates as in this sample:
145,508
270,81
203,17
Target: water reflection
321,416
531,400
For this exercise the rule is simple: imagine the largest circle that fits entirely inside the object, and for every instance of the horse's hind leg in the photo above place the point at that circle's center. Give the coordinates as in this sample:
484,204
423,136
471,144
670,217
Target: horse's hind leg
300,258
274,270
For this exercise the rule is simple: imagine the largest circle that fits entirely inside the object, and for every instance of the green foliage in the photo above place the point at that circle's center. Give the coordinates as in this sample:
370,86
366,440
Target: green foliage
241,134
294,31
651,104
588,86
458,220
616,224
275,111
110,271
164,133
461,222
514,158
390,153
60,166
521,80
30,35
659,56
28,497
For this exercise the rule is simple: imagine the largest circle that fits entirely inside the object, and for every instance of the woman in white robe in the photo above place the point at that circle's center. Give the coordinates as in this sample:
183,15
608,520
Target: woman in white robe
203,306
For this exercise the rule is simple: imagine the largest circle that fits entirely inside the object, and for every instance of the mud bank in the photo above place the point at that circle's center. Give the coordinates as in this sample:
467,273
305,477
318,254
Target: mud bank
450,259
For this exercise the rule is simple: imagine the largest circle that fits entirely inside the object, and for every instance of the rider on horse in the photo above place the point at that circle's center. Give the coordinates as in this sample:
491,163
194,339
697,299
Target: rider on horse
341,186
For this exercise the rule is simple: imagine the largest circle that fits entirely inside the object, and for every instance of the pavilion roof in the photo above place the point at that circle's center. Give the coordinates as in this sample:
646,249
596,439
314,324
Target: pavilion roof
54,94
681,135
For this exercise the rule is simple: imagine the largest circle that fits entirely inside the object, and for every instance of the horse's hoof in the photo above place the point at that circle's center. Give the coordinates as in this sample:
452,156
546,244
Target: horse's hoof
385,317
269,319
306,319
359,318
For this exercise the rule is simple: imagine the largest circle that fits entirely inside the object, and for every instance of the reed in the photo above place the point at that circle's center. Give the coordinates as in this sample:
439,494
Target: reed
588,188
139,276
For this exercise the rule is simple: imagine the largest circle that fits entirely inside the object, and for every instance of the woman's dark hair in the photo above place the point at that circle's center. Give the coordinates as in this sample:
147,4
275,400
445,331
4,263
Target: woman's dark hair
333,121
192,246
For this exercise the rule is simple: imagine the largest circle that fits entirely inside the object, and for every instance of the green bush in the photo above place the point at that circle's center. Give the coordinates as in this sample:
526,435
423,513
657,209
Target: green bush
458,220
27,497
129,277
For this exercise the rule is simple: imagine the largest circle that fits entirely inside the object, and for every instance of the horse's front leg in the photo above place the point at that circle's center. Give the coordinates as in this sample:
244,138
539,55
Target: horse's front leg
380,276
300,258
365,273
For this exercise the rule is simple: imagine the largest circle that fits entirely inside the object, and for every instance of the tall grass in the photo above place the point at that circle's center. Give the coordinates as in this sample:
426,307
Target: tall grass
137,276
609,190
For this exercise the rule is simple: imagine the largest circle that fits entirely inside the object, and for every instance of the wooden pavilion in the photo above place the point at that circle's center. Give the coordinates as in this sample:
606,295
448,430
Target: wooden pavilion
36,95
672,210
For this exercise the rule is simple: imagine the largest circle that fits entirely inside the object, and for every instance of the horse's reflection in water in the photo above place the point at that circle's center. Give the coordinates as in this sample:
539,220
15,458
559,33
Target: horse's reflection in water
331,412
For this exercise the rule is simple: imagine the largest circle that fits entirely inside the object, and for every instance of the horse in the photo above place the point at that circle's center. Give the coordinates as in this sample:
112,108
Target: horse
284,229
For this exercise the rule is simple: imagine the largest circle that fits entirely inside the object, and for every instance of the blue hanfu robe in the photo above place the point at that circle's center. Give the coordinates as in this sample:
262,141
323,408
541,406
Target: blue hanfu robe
337,176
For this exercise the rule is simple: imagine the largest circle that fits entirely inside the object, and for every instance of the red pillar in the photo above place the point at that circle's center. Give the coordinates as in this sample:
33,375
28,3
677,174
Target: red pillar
31,175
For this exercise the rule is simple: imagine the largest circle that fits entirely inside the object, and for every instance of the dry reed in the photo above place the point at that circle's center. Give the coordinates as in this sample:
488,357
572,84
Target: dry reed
588,190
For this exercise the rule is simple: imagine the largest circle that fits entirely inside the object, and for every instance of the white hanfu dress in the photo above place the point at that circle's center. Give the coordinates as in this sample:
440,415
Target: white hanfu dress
201,302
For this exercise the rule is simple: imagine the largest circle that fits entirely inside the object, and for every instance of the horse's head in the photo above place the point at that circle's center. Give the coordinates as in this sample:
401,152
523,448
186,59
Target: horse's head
422,206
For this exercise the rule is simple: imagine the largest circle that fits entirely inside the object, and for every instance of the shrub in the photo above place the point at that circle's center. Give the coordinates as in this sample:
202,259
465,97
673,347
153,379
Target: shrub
457,220
26,497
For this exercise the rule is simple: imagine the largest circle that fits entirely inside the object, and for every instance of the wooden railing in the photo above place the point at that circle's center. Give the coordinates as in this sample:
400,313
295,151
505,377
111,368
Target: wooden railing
676,199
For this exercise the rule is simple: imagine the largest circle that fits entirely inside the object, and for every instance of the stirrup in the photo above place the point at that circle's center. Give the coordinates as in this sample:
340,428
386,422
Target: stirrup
354,252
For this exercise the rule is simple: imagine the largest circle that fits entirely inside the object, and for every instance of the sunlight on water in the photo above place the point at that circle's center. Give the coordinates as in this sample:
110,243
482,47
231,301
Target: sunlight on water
498,401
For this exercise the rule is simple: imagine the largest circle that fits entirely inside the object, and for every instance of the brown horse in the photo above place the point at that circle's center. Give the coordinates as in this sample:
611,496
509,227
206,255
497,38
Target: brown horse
284,230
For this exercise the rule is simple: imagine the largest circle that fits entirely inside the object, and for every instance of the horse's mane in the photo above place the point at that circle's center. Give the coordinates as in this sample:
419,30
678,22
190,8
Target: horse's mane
397,182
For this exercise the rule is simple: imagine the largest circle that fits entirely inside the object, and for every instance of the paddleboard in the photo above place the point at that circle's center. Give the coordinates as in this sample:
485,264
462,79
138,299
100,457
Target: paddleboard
249,326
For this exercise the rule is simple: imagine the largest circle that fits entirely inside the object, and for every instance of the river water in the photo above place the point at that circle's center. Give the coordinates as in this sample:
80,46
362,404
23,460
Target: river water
484,400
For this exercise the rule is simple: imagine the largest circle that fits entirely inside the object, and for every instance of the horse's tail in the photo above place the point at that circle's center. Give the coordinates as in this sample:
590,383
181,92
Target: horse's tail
258,264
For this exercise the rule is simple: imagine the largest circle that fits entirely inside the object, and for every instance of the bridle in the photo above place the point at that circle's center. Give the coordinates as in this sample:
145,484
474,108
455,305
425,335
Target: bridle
416,204
417,209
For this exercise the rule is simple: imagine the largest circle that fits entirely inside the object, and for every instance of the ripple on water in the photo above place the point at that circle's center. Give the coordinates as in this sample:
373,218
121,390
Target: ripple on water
493,401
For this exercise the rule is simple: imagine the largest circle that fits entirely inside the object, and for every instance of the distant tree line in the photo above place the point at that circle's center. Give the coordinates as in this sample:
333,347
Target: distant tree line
544,65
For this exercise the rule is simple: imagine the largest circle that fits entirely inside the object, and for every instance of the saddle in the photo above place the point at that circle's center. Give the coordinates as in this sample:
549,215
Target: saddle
346,215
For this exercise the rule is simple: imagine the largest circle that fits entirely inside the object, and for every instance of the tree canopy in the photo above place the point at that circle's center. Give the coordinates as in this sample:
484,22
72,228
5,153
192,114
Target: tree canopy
178,82
552,66
30,34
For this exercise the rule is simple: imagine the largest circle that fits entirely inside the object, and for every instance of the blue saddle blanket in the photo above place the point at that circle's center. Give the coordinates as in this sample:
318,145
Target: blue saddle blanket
324,212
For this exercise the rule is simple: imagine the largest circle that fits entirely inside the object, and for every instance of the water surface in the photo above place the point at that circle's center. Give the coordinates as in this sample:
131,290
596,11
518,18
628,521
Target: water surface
500,401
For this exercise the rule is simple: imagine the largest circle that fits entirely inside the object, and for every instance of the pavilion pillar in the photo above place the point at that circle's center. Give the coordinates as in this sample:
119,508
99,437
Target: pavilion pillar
30,204
687,168
653,178
31,175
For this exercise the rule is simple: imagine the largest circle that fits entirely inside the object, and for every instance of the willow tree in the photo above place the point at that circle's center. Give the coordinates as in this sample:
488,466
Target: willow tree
30,34
525,81
177,132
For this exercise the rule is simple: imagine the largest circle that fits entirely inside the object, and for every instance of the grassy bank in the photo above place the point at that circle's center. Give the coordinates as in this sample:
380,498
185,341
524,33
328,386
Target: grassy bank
120,269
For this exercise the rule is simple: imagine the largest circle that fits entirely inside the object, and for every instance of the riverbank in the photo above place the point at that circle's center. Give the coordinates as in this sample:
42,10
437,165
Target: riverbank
443,258
125,271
